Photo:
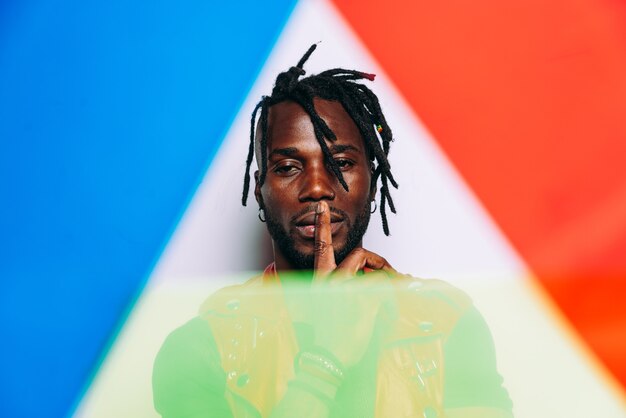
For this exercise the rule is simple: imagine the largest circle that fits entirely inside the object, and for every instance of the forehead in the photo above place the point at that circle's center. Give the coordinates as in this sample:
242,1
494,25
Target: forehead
290,126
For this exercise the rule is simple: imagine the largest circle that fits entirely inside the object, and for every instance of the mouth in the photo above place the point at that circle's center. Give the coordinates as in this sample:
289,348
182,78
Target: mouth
308,231
305,225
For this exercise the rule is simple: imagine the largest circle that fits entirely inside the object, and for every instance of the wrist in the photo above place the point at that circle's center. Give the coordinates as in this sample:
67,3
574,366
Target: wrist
315,387
319,362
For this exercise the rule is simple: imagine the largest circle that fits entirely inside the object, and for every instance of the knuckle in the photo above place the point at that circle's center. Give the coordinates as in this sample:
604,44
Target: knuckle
321,247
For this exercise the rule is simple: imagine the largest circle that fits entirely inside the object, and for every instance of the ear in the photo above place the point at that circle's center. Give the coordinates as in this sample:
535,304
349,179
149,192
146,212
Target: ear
373,193
374,181
257,189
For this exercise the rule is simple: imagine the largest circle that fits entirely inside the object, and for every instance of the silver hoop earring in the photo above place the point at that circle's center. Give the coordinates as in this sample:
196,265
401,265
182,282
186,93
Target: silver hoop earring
261,215
375,207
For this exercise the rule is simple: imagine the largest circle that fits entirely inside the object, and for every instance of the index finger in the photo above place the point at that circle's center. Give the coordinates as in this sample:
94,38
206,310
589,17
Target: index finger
324,262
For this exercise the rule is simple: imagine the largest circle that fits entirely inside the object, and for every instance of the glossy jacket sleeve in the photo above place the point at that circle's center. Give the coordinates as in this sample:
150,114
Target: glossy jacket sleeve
187,379
471,378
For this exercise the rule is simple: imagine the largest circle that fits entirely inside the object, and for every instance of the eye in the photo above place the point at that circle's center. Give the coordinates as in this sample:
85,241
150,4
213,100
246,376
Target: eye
286,170
344,163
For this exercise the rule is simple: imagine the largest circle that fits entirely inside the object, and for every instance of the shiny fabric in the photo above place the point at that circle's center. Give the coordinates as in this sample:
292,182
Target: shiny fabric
257,345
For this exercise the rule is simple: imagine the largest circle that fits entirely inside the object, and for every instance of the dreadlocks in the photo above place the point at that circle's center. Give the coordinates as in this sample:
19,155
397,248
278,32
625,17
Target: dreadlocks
359,102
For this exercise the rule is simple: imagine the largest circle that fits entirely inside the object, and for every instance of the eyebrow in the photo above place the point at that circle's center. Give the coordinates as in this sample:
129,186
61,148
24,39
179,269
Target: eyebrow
334,149
287,152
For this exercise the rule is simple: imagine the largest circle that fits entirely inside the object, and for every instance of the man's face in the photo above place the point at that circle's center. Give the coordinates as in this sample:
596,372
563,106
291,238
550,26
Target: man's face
298,177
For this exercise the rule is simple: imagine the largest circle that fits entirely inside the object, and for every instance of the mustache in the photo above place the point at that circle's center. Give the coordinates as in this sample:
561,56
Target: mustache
312,207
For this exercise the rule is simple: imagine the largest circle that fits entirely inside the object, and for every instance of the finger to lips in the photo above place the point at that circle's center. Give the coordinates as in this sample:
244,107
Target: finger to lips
324,253
361,258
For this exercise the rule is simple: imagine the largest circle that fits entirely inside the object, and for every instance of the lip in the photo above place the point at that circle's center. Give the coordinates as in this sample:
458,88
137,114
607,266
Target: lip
308,219
308,231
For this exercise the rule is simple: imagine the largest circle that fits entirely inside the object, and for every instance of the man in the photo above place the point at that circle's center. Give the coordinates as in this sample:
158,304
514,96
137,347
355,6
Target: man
330,329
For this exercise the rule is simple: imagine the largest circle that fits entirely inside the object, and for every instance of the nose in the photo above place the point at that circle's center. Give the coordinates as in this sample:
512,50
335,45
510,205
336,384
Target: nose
317,183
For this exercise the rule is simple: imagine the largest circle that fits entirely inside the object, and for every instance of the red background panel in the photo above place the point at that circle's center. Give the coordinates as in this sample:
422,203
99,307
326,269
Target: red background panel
528,100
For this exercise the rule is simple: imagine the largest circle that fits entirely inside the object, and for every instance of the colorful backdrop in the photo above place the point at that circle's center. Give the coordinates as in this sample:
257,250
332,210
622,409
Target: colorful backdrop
123,132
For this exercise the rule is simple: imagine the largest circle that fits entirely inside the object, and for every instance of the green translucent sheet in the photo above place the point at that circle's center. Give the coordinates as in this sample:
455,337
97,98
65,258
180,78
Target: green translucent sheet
366,346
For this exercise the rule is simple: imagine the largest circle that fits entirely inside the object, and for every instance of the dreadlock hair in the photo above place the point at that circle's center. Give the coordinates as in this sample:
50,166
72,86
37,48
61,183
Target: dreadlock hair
360,103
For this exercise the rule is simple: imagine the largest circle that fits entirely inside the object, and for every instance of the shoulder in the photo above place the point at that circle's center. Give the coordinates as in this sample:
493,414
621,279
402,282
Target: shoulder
229,299
184,350
187,372
192,330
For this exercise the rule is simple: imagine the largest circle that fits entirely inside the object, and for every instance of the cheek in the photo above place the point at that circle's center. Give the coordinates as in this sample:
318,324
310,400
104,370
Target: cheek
360,187
272,190
357,205
276,197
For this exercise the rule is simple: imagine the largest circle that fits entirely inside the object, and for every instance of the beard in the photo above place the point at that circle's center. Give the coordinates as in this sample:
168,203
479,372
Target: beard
305,261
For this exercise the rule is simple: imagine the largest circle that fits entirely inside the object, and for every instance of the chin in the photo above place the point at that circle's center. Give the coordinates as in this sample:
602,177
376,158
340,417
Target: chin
300,252
308,246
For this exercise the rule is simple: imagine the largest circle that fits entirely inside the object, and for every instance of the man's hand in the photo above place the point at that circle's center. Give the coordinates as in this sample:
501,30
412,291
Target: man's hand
357,260
346,307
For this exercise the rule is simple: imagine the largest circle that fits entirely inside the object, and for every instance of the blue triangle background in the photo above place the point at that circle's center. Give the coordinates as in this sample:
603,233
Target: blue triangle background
110,113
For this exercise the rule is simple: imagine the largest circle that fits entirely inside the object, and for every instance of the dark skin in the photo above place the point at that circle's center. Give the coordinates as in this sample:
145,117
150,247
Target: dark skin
297,178
308,201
